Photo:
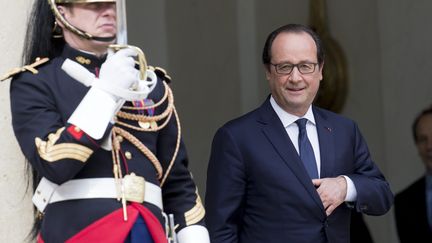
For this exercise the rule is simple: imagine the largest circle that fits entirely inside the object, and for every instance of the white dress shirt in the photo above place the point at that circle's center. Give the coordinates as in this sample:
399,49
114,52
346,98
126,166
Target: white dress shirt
288,121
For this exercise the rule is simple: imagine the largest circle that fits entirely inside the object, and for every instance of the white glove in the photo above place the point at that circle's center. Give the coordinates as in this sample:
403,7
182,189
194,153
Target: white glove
149,84
119,69
81,74
192,234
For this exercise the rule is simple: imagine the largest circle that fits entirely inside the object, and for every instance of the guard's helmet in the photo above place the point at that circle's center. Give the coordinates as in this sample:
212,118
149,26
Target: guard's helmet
59,17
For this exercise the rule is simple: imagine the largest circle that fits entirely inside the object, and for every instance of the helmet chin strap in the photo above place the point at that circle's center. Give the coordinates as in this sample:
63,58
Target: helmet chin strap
103,39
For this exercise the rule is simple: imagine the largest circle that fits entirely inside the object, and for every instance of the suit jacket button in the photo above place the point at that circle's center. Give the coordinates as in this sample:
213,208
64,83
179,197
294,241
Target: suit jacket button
128,155
325,223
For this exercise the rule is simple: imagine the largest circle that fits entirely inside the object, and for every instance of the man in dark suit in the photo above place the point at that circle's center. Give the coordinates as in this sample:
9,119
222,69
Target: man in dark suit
413,206
268,181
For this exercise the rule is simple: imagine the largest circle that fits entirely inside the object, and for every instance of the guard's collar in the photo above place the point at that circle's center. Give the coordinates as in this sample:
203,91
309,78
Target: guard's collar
88,60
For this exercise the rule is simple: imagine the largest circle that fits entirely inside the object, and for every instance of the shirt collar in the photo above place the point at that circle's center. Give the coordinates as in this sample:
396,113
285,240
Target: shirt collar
287,118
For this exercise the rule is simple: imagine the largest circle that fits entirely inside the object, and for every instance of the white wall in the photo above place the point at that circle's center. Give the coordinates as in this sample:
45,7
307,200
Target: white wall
15,206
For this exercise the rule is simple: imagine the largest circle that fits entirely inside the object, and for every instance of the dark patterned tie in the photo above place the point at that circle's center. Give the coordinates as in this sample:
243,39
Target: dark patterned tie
429,201
306,151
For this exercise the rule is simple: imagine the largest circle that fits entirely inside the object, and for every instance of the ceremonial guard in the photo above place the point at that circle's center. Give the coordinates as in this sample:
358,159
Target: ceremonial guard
101,132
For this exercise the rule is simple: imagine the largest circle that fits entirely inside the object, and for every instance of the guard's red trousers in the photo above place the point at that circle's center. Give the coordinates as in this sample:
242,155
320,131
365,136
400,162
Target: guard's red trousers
113,229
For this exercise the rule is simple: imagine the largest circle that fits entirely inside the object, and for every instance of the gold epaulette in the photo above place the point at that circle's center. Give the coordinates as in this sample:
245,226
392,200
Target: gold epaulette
161,73
31,68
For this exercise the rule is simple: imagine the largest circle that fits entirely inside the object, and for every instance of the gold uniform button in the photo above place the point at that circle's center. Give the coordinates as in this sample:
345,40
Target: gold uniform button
77,129
128,155
120,138
145,125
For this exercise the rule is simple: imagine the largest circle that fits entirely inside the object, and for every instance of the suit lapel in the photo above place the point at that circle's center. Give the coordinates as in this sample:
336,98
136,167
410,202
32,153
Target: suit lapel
326,143
275,132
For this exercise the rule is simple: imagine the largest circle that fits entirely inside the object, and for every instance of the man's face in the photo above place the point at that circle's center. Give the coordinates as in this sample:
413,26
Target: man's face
294,92
424,140
97,19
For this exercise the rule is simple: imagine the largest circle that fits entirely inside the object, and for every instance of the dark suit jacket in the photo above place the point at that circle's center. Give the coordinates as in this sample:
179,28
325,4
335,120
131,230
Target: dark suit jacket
259,191
411,214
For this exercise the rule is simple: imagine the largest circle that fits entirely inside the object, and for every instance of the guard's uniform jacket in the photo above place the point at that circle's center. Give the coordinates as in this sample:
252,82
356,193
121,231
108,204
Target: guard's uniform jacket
41,105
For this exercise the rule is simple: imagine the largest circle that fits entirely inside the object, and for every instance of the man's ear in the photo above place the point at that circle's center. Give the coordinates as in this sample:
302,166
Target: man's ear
321,68
62,11
267,71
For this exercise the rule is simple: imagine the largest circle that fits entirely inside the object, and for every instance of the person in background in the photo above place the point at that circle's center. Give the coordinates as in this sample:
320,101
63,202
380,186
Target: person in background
413,205
102,136
290,171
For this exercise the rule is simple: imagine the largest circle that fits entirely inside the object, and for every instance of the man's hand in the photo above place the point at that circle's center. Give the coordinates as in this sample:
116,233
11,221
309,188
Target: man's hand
332,192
